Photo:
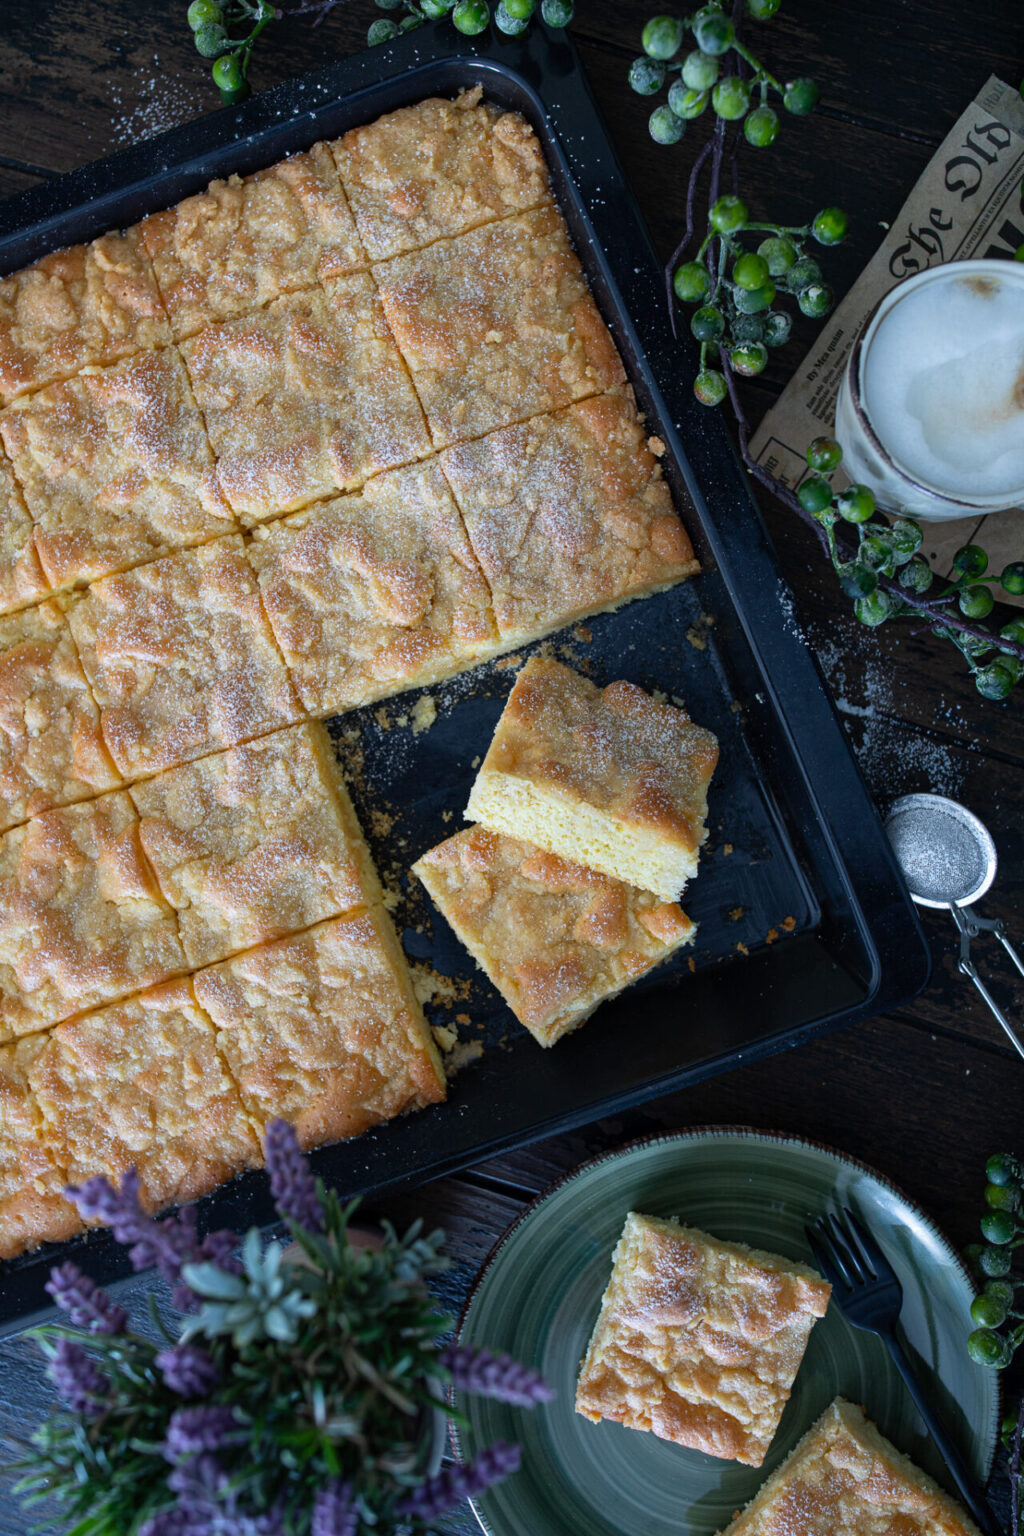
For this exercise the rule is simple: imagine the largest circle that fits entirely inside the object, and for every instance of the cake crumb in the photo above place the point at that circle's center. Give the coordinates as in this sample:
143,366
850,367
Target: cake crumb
789,923
696,639
656,446
381,822
727,848
742,947
446,1036
736,707
423,715
735,914
476,761
382,718
771,935
583,633
462,1018
691,962
390,898
505,662
447,815
403,721
465,1052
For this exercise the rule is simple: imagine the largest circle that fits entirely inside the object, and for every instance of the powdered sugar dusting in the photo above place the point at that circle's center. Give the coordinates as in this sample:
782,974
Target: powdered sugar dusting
154,102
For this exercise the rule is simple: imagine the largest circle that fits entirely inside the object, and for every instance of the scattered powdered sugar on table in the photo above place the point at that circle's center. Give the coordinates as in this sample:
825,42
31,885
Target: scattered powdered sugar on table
154,102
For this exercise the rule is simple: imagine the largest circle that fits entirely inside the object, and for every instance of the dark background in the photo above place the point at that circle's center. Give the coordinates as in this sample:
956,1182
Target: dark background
923,1095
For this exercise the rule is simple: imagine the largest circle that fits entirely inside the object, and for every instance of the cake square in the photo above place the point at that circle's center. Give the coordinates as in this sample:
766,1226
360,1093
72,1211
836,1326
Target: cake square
306,398
845,1479
555,939
81,919
372,593
142,1085
87,304
568,514
51,749
438,168
33,1209
323,1029
181,658
497,325
698,1340
255,842
115,467
607,777
240,243
21,576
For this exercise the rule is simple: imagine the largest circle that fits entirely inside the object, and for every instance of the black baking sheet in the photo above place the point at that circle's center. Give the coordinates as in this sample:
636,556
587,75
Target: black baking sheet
795,849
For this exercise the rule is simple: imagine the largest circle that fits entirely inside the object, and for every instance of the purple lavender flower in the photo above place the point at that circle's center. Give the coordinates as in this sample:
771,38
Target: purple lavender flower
335,1512
188,1369
487,1375
292,1184
199,1482
196,1431
173,1521
85,1303
80,1382
454,1484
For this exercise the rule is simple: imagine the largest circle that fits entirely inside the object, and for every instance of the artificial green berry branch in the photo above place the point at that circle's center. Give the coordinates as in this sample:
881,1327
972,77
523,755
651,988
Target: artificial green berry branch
735,287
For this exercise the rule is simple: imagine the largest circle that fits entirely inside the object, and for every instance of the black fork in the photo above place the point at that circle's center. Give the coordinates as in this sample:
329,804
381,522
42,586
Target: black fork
867,1291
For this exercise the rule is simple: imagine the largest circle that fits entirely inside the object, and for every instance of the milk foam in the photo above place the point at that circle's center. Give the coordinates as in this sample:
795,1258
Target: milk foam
943,384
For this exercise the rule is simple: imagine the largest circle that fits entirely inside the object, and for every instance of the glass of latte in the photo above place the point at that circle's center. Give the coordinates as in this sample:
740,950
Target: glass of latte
930,412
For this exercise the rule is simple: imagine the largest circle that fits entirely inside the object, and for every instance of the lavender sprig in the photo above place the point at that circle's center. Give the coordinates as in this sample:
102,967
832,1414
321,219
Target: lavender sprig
335,1512
454,1484
80,1382
85,1303
188,1369
497,1376
291,1182
172,1521
194,1431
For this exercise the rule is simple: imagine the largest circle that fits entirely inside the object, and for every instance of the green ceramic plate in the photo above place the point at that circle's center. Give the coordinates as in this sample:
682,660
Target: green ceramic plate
538,1295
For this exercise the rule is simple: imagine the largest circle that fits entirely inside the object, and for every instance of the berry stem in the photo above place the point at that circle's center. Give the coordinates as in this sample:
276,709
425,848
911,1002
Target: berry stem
760,72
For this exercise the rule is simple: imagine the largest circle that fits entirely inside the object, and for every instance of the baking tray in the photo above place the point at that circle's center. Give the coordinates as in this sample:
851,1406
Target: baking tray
796,848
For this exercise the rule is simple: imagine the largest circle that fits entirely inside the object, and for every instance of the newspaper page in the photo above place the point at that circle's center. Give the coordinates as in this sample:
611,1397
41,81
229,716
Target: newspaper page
968,203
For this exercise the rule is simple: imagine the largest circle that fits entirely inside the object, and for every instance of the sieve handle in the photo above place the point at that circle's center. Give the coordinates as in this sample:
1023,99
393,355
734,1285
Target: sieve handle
969,927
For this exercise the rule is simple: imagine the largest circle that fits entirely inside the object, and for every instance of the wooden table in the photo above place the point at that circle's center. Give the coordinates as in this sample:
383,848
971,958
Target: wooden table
924,1095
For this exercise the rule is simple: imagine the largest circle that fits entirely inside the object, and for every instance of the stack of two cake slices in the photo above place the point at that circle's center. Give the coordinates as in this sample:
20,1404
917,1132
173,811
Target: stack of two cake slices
590,808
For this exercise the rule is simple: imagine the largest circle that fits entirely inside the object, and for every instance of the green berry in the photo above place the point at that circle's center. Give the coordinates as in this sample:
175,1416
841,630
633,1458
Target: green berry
876,551
692,282
382,30
856,503
749,359
410,23
907,539
916,576
713,31
700,70
708,324
777,326
731,98
995,682
728,214
830,226
972,1253
709,386
976,602
814,495
746,328
664,126
557,13
857,581
435,9
750,301
824,454
471,17
994,1262
204,13
970,561
988,1348
646,76
228,76
662,36
987,1311
1002,1291
779,253
802,273
505,22
998,1227
388,5
762,10
761,127
686,102
1018,254
815,300
875,609
800,97
210,41
522,10
1012,579
750,271
1001,1197
1013,631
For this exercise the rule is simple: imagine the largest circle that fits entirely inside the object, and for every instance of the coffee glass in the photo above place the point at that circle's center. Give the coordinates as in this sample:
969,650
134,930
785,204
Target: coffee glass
930,412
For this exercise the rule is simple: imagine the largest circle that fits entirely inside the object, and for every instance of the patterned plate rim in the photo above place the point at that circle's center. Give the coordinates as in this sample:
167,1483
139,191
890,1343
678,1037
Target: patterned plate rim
708,1133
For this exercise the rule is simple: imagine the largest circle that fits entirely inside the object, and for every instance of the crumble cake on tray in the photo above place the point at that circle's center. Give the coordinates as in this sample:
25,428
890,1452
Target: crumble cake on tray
341,427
